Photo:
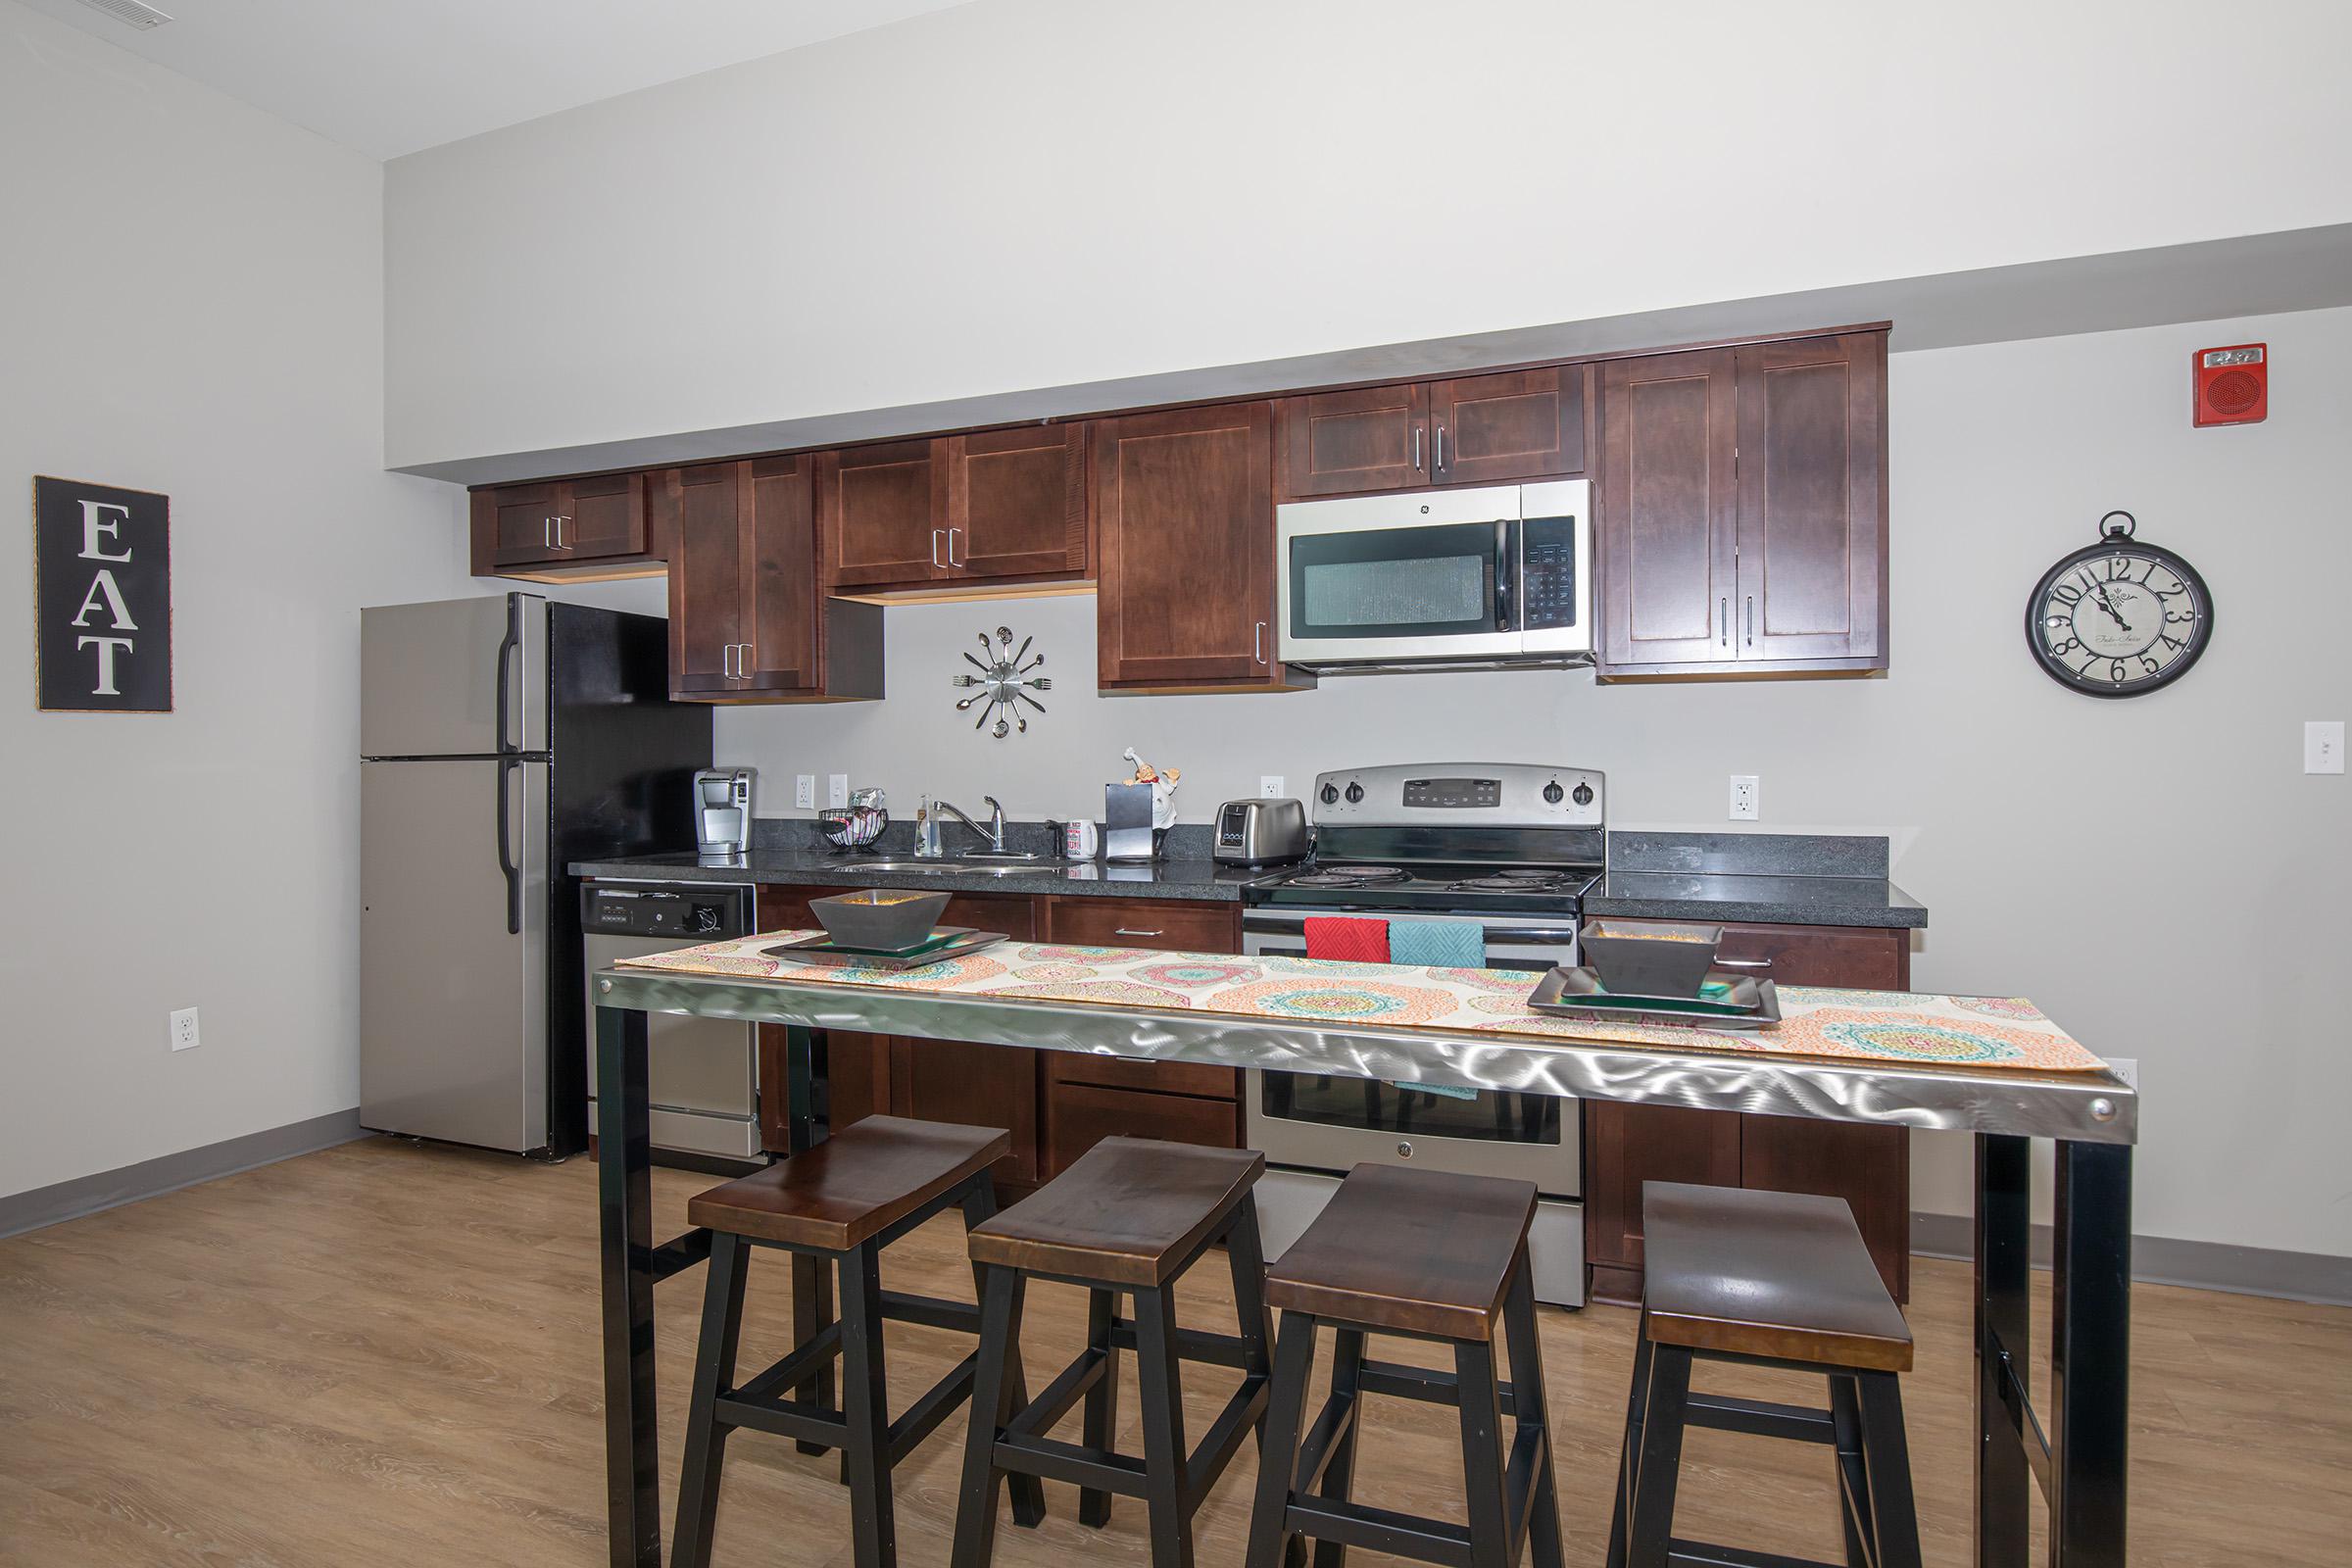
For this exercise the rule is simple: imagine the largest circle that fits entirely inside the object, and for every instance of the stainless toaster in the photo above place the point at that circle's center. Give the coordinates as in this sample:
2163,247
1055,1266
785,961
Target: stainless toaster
1260,832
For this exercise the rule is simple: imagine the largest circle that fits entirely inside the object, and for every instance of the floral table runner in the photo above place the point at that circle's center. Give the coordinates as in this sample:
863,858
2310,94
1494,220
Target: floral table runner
1883,1026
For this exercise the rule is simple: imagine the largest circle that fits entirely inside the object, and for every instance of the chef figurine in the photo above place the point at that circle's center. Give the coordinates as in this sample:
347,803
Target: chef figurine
1163,788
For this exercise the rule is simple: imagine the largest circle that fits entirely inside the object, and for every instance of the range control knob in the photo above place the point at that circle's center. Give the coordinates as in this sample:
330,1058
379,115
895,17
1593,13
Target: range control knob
1583,795
1356,792
1553,794
1329,793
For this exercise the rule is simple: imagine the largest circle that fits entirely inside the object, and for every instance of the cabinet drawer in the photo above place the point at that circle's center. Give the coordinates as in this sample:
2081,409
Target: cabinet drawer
1081,1115
1157,1077
1177,925
1820,955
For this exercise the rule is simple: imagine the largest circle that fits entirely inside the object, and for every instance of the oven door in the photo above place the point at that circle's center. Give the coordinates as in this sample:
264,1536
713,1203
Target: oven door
1384,577
1333,1124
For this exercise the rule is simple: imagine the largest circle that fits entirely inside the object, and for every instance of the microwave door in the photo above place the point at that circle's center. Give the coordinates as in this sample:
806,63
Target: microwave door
1396,590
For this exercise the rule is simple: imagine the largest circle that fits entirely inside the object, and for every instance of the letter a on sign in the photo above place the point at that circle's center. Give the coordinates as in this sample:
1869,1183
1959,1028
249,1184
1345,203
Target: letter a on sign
102,598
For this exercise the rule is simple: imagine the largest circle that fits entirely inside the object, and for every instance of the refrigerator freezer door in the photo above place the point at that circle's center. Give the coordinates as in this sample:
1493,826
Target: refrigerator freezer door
452,950
430,678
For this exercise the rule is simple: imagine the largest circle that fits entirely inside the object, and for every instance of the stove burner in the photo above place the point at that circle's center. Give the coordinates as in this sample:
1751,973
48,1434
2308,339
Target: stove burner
1348,876
1512,882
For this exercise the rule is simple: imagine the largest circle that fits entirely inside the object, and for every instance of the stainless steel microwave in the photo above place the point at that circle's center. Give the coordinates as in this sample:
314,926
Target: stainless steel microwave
1495,576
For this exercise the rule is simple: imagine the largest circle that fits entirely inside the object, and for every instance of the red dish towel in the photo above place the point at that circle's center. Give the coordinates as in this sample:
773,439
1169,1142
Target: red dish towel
1340,937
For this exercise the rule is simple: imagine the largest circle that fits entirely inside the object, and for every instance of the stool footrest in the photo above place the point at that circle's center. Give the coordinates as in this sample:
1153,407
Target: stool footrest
756,1404
931,1311
1225,1433
1400,1380
1095,1469
1760,1418
1205,1346
1399,1534
1681,1554
794,1369
1332,1422
1069,1387
801,1421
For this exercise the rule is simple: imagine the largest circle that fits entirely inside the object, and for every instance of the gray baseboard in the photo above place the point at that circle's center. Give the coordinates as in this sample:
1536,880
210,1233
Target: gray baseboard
2166,1260
87,1195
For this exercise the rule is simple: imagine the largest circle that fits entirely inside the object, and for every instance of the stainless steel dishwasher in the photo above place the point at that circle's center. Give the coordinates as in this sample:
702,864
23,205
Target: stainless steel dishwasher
703,1073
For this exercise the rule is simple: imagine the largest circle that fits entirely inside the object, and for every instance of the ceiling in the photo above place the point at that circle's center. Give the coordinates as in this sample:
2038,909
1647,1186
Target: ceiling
392,76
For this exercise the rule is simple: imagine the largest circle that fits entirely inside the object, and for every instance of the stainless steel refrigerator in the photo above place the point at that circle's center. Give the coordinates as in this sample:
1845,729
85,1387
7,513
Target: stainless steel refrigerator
501,739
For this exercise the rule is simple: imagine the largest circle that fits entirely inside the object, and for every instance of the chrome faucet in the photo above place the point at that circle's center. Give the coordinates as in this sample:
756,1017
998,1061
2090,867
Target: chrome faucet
994,832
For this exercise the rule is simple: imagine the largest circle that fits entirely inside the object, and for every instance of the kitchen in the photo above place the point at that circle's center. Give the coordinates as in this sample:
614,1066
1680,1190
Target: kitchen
2012,808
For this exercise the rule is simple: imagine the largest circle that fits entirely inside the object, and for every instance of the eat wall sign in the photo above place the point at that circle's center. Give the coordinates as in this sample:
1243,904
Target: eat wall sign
102,598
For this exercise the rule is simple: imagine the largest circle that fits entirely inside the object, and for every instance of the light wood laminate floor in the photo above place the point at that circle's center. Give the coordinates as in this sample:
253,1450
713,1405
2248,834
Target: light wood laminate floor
388,1353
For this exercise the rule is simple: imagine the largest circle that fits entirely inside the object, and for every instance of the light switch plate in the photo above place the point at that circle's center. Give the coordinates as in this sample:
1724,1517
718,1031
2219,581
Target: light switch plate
1269,787
1746,797
803,791
2324,746
837,789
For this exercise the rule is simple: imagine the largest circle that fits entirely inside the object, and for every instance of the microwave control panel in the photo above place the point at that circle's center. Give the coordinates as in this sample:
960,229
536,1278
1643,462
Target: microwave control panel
1548,550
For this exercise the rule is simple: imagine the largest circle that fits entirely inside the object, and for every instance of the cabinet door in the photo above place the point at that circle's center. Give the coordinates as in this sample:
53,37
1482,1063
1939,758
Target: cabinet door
1334,443
1669,498
781,595
1519,424
1626,1146
602,517
882,513
976,1084
1184,510
1813,498
700,515
1016,503
514,525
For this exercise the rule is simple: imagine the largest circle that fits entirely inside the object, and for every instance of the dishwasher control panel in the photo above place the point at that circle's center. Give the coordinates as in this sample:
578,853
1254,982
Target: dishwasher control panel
687,912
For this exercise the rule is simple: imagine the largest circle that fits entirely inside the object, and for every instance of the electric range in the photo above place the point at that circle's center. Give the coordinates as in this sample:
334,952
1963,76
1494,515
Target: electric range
1511,846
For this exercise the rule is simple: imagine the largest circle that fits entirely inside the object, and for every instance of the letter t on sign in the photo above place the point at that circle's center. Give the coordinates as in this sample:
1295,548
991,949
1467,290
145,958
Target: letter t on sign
102,598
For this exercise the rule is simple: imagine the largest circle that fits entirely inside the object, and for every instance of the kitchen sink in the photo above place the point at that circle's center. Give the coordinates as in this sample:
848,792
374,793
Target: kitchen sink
965,866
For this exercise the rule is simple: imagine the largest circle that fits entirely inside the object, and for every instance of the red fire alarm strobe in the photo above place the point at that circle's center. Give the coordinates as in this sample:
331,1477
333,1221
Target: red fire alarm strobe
2233,384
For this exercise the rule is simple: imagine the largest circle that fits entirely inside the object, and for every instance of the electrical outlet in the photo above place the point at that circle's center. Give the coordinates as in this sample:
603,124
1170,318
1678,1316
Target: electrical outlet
803,791
1746,796
1269,787
183,1029
2324,746
837,789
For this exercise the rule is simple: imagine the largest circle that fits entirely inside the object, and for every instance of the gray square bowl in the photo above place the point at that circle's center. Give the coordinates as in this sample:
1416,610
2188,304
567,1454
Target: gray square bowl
882,919
1650,958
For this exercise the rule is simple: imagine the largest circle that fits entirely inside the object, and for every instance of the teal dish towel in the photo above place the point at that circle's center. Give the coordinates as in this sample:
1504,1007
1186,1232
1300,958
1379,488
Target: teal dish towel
1438,944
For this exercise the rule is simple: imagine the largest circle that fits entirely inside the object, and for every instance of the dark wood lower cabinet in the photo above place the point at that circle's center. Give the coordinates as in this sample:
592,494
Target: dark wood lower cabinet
1870,1167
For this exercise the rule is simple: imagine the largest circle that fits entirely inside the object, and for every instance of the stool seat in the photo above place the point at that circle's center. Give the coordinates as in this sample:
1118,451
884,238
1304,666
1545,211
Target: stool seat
1413,1252
1129,1211
1779,1275
853,1185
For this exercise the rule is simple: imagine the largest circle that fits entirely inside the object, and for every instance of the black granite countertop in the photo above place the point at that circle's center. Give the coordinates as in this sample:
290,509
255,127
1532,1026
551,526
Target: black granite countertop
1173,878
1775,900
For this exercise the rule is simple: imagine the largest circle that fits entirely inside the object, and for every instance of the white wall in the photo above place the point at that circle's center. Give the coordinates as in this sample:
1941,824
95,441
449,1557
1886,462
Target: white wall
1031,193
2157,872
191,302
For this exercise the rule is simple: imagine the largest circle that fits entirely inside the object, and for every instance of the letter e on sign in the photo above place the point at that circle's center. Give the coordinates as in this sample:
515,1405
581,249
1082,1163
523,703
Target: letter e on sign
102,598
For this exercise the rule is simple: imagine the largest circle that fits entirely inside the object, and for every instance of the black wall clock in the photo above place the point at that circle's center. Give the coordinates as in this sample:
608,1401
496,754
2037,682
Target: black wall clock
2119,619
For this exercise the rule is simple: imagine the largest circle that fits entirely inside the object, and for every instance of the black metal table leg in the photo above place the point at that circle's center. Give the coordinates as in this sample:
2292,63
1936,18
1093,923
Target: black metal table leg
625,1247
2004,1255
2090,1354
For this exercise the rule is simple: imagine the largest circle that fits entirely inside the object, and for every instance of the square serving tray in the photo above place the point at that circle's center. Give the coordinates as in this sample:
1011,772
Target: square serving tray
945,942
1747,1002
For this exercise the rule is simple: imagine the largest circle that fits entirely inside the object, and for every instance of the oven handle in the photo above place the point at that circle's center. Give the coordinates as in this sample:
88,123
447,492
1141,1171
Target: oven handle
1506,571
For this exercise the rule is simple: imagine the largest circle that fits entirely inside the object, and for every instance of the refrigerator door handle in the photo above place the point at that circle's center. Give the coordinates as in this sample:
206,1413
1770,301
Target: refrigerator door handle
507,769
505,653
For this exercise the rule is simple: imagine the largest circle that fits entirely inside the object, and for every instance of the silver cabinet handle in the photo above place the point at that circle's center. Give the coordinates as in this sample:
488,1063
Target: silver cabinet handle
560,520
1751,620
1122,931
547,532
726,661
935,561
951,561
1722,962
742,661
1257,643
1416,449
1723,622
1440,448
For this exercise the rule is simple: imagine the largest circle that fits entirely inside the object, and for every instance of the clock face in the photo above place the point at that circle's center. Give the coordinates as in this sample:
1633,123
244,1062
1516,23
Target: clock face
2119,619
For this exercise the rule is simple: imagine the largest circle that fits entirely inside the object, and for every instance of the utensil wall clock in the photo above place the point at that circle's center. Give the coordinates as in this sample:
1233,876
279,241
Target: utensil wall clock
1005,681
2119,617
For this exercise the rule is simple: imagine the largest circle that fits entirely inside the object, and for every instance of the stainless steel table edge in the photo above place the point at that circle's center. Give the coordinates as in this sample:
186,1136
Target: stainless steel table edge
2092,1107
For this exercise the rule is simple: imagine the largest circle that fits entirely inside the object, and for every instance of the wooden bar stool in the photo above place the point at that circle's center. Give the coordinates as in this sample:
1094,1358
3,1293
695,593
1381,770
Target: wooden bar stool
1764,1279
1132,1214
841,1203
1426,1255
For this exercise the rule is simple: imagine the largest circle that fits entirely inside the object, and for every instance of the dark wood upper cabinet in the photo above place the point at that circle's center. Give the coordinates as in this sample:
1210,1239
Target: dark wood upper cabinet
748,620
1744,508
563,528
882,512
1813,498
1016,503
1184,519
1477,429
1668,509
1517,424
1341,443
